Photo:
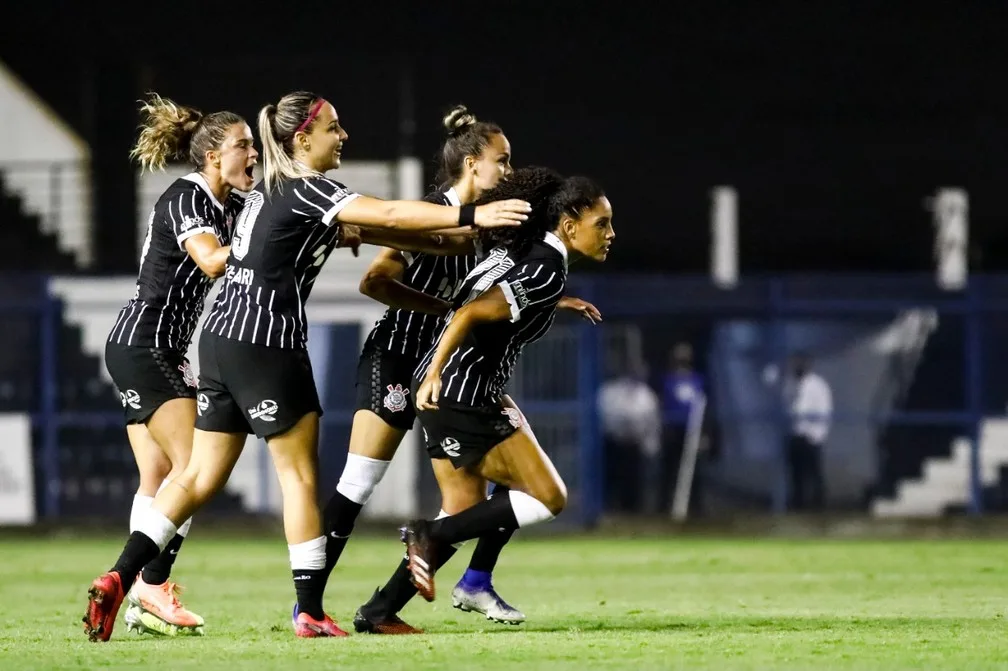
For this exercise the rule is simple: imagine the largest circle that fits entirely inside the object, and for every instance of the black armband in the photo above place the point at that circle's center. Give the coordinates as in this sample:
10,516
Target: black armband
467,215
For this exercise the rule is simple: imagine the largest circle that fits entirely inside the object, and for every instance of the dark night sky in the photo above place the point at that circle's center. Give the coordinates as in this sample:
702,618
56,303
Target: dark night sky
833,122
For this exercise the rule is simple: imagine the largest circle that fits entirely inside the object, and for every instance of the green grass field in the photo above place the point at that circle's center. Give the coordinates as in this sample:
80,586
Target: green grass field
593,602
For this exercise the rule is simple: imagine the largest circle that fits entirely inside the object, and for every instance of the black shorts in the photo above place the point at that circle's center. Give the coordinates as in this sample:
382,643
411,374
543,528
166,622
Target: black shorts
383,386
147,377
464,434
256,389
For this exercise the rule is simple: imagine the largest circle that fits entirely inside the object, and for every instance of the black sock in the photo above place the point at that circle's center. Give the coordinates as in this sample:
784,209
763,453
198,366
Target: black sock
309,584
485,517
157,572
140,550
339,517
398,591
488,549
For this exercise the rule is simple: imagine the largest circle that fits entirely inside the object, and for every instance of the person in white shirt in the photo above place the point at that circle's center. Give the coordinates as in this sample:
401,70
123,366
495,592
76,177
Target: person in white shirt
630,415
810,408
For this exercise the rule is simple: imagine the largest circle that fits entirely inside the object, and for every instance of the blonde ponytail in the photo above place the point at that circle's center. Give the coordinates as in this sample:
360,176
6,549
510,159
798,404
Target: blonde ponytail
277,127
165,133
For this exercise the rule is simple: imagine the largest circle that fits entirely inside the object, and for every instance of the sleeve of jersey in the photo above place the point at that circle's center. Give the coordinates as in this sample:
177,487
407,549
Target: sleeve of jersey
323,198
532,286
190,215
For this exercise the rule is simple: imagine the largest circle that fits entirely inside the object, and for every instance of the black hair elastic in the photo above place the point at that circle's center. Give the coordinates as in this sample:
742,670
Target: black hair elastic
467,215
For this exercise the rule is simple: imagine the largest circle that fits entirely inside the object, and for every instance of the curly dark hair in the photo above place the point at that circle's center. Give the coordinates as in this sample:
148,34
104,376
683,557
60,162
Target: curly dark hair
551,195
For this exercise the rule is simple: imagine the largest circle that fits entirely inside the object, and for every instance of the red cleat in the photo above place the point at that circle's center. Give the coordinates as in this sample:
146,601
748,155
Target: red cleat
420,557
104,598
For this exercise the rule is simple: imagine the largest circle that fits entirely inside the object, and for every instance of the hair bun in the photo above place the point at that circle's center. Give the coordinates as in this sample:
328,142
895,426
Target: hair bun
458,119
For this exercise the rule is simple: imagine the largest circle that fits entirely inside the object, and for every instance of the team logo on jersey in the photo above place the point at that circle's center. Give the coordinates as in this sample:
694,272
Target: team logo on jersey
514,417
451,447
187,375
395,399
130,398
264,411
202,403
191,222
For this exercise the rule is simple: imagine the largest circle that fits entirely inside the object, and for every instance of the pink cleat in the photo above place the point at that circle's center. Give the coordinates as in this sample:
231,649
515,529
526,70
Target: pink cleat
305,626
163,612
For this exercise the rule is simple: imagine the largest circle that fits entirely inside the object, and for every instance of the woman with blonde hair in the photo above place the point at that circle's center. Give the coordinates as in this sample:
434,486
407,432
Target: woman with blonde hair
255,373
187,243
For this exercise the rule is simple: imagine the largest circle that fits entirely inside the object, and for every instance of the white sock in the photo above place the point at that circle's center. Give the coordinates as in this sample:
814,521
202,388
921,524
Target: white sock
183,530
360,477
528,510
140,504
309,555
157,527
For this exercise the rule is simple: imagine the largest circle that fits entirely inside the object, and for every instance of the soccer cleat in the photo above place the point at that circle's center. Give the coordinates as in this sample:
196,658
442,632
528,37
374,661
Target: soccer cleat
305,626
486,601
371,619
420,556
104,598
142,622
162,612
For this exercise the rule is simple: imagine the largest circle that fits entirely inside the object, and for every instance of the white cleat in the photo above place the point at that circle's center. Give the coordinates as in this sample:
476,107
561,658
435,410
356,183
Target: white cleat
486,602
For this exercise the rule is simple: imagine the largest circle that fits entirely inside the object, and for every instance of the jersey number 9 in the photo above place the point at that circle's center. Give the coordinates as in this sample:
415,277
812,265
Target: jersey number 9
246,222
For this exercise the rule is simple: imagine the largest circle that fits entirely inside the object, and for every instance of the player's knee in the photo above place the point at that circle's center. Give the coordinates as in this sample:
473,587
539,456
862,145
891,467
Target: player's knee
553,496
555,499
297,475
360,477
199,484
153,474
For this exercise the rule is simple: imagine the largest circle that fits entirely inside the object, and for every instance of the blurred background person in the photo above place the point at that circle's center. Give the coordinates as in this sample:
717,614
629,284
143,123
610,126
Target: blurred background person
682,387
630,417
809,401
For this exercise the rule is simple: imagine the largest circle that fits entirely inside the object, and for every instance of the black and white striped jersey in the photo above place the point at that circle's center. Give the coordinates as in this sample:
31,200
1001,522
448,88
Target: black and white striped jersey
409,333
281,241
171,289
477,372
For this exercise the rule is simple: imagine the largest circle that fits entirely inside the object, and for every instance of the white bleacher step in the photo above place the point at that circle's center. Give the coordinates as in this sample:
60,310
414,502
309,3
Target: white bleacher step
945,481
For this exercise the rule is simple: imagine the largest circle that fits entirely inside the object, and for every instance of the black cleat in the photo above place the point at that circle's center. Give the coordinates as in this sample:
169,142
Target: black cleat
367,621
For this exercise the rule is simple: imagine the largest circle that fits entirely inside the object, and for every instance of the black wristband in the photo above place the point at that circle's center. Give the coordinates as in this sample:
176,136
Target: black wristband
467,215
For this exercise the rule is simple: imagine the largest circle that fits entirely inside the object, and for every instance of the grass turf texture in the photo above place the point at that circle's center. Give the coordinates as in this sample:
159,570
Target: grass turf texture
592,602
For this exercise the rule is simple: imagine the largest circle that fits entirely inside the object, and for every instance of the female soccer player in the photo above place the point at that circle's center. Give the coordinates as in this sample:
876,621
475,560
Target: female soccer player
255,373
475,156
185,248
506,302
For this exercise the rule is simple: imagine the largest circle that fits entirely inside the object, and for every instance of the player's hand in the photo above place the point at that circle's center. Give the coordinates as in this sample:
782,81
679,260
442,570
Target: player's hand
587,310
501,213
350,236
427,394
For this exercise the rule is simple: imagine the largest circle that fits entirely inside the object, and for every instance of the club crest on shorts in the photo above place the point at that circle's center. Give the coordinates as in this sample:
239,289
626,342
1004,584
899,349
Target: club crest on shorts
514,417
187,375
395,399
202,403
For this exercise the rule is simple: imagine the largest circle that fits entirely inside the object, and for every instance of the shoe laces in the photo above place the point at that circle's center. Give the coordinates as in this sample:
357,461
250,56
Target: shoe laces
174,591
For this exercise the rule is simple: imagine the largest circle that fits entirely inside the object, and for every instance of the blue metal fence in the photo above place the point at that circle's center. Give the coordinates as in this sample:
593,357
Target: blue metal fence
975,323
